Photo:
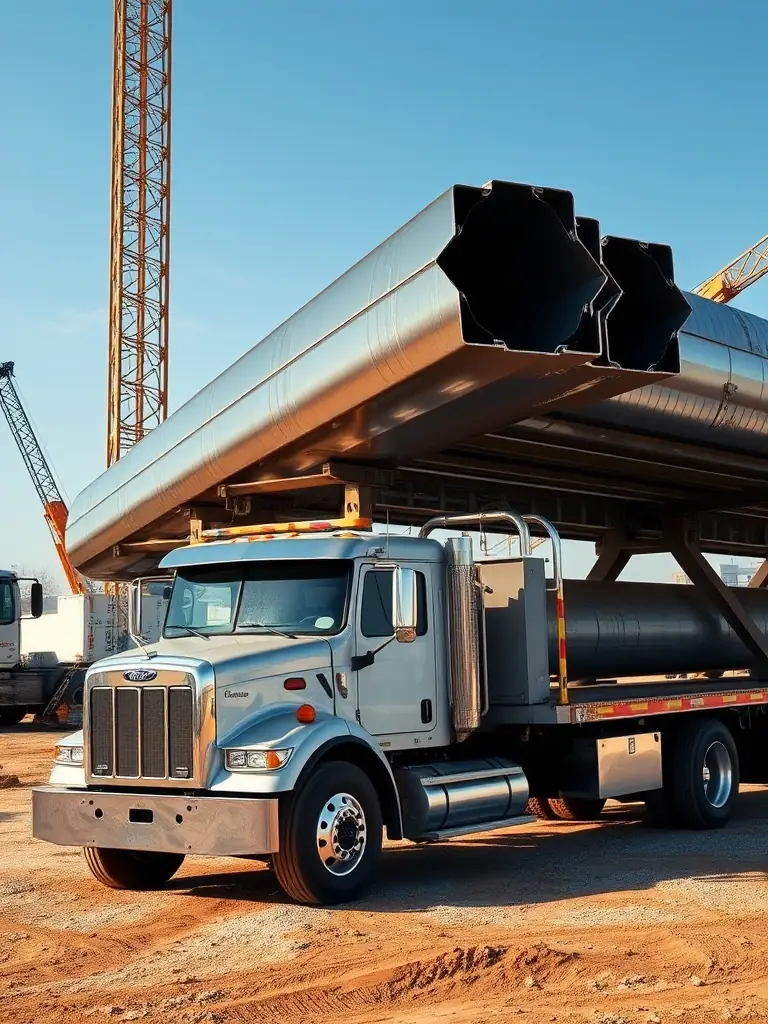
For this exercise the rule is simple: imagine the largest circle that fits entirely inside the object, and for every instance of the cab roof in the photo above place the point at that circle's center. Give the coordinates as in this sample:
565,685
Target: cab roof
346,545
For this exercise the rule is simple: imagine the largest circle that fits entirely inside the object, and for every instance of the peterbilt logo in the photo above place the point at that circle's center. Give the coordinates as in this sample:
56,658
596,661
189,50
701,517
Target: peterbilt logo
139,675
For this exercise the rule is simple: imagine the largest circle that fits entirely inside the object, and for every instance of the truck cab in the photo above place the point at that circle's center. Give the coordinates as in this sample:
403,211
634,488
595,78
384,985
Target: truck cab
9,619
16,685
295,705
315,609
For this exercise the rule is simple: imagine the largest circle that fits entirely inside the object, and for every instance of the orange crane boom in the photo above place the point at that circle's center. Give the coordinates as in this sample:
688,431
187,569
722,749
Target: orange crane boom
739,274
54,507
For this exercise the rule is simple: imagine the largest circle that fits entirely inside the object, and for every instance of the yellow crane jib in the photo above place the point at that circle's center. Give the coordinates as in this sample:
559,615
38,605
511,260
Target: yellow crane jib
738,275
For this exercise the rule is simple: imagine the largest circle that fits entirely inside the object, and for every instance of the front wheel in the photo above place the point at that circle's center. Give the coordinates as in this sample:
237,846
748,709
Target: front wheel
131,869
331,833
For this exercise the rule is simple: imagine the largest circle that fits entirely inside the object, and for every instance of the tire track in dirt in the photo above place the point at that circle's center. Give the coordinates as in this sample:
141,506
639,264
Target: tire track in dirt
509,980
574,924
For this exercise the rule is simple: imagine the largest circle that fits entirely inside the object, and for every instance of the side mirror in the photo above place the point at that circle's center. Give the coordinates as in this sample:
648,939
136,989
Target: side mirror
36,600
404,605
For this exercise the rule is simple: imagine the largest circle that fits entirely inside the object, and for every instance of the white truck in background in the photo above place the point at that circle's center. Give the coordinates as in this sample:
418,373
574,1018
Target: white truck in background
45,655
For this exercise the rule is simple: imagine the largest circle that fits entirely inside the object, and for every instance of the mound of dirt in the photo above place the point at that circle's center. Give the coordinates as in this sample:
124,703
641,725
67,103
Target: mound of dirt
8,781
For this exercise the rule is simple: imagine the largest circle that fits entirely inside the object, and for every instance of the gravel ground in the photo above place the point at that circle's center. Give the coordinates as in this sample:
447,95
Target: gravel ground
614,923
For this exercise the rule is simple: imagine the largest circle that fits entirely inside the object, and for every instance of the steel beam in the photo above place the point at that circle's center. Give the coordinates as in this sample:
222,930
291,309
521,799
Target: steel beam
332,473
760,578
612,557
683,547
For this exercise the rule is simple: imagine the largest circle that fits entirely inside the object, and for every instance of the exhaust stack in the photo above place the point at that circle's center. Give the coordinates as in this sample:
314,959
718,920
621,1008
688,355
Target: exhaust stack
466,654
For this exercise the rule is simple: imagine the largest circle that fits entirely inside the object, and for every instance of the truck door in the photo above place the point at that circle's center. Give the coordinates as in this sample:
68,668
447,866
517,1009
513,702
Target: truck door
396,694
9,624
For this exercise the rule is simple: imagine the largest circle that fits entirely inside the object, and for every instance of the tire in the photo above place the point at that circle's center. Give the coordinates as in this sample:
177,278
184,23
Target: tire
576,809
338,801
541,807
12,716
703,781
131,869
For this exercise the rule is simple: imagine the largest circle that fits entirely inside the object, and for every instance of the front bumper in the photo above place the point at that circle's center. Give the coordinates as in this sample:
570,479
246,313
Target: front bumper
209,826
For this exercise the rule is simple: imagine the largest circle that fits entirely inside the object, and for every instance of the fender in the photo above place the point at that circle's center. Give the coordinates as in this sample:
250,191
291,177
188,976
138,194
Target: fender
277,728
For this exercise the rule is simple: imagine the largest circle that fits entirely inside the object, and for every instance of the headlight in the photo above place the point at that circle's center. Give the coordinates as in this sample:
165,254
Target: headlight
67,755
256,760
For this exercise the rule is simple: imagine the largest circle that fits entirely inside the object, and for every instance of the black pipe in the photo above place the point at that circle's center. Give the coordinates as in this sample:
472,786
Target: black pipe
633,629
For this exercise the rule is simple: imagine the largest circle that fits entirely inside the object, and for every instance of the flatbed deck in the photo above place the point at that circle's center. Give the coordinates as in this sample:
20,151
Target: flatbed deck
642,698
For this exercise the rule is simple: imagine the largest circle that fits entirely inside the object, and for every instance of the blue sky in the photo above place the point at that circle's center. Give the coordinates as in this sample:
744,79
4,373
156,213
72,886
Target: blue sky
305,132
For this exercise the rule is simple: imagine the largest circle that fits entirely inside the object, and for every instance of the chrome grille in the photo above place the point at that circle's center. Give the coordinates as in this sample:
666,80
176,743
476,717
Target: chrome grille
127,733
101,744
141,732
180,732
153,759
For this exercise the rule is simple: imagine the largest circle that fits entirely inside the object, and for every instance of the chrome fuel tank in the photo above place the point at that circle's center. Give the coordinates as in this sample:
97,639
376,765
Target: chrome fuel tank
459,794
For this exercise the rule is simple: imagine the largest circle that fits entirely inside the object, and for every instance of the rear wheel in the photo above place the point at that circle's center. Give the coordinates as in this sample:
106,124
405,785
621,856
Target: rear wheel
541,807
331,833
703,778
12,716
131,869
576,809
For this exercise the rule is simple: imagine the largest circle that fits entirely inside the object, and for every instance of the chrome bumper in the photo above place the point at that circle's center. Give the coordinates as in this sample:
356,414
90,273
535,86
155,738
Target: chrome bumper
210,826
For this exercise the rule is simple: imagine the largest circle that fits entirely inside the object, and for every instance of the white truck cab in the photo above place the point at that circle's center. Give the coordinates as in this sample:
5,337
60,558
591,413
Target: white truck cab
9,619
292,708
16,686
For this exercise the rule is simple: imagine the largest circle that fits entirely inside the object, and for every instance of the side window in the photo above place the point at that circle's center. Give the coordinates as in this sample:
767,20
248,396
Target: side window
376,613
6,604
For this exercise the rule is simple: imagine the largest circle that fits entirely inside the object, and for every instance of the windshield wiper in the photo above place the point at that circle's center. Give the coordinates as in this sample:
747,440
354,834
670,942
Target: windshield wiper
192,630
269,629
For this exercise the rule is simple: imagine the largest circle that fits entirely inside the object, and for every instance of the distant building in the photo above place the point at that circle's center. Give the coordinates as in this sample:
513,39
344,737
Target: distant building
732,575
737,575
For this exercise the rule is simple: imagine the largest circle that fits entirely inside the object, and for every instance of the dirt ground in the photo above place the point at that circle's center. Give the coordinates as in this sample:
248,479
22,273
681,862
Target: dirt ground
610,924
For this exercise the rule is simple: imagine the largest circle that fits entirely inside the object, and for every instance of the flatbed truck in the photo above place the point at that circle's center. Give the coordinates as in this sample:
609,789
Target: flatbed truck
497,364
311,691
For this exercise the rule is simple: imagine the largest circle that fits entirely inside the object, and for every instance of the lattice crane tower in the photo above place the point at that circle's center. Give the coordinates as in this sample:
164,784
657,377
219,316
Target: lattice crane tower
140,223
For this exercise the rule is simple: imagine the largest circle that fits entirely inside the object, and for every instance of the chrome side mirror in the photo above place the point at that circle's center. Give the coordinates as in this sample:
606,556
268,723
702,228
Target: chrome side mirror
404,605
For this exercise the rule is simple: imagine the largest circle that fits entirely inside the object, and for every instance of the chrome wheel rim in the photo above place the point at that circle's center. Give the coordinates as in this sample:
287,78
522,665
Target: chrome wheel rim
717,774
341,834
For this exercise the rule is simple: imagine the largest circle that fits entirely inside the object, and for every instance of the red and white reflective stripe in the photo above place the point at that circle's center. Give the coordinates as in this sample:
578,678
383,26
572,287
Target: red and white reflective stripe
563,664
666,705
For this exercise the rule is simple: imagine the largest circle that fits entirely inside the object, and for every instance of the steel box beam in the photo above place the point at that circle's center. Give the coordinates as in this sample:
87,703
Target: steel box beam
683,548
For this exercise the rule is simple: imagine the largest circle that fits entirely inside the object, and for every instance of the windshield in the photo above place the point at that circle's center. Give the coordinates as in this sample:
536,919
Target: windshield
6,603
289,598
